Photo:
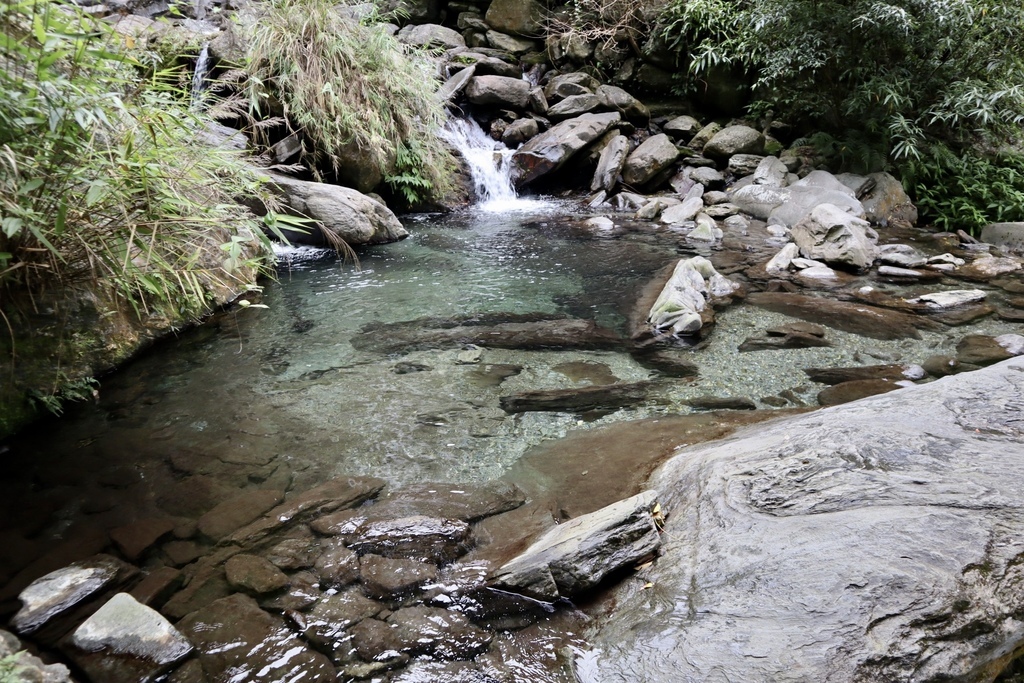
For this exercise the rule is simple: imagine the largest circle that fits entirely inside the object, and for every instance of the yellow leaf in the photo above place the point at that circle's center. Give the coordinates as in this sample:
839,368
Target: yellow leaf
647,585
129,41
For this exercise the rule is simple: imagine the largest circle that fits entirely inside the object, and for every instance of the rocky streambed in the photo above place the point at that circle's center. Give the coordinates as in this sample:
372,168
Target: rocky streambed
372,478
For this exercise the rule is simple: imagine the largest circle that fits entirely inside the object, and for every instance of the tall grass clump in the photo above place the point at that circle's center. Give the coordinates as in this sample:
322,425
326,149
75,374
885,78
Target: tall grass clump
102,182
354,92
919,82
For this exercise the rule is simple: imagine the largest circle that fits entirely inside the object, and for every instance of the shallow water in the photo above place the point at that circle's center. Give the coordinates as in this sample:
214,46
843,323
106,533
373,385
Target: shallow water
279,398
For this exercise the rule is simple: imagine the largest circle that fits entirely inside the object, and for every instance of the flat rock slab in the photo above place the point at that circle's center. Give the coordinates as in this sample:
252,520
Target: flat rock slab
238,641
516,332
254,574
330,617
385,577
432,539
892,372
579,399
792,340
844,392
578,554
874,541
237,512
856,318
437,632
135,539
126,642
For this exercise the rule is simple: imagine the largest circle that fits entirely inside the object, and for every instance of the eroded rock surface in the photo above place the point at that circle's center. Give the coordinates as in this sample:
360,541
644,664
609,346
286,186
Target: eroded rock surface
875,541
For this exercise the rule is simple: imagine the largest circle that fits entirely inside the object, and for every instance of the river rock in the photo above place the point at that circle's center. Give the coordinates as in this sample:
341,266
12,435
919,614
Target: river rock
520,131
341,212
702,136
758,200
430,35
1009,236
902,255
781,261
949,298
882,533
886,203
844,392
578,554
681,213
987,267
654,155
126,642
573,106
238,641
420,537
550,150
234,513
468,502
578,399
616,99
741,165
710,178
721,403
734,140
868,321
609,165
438,633
771,172
680,306
294,553
133,540
803,196
387,578
791,340
60,592
891,373
500,91
27,667
669,362
830,234
684,127
333,615
980,349
513,45
567,85
254,574
518,17
337,565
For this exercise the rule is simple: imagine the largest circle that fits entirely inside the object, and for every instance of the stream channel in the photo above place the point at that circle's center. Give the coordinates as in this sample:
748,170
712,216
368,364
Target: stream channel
280,398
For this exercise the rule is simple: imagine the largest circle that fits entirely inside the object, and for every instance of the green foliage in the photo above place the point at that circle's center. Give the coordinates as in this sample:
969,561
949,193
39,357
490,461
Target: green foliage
351,89
910,80
65,390
11,668
102,181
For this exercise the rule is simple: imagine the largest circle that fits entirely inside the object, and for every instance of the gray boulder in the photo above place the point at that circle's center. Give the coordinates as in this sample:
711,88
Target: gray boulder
873,541
510,44
126,642
741,165
500,91
759,200
734,140
340,212
771,173
684,127
572,106
617,99
578,554
702,136
1007,235
518,17
551,149
610,163
819,187
831,235
654,155
566,85
451,88
685,211
520,131
886,201
430,35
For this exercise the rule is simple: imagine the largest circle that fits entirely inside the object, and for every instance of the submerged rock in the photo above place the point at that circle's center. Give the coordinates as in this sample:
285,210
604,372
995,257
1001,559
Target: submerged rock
578,554
844,392
579,399
868,321
684,298
884,536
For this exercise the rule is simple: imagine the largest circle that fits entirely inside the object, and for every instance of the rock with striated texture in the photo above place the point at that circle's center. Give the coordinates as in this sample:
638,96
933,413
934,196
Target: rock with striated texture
500,91
417,536
610,163
831,235
875,541
655,154
550,150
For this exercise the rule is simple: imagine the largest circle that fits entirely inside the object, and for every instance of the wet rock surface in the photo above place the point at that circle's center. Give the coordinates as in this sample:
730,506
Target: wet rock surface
883,533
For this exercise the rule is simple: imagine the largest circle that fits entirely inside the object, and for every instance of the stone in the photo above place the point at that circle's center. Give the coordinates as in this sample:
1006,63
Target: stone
856,318
886,203
614,98
387,578
706,230
682,127
890,373
578,554
890,506
339,212
734,140
573,106
468,502
654,155
437,632
61,591
801,199
987,267
710,178
578,399
901,255
702,136
1009,236
791,340
681,213
980,349
518,17
520,131
333,615
302,592
511,44
452,87
720,403
741,165
550,150
126,642
830,234
133,540
901,273
949,298
715,198
293,553
669,362
771,172
337,565
430,35
853,390
679,308
781,261
236,512
759,200
719,211
156,586
254,574
238,641
500,91
566,85
941,365
420,537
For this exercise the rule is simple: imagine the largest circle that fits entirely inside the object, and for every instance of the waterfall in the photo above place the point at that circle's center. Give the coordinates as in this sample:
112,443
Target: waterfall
199,76
488,161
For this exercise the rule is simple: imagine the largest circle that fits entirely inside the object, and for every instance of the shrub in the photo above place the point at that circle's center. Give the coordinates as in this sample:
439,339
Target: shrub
347,85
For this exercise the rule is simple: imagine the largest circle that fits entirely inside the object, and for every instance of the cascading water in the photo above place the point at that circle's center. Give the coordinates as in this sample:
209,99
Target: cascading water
489,165
199,76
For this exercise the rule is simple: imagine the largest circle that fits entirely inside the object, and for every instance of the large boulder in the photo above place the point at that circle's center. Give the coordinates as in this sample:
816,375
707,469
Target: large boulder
885,201
518,17
1007,235
879,540
831,235
500,91
617,99
551,149
430,35
610,163
573,106
654,155
339,212
680,306
734,140
800,198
